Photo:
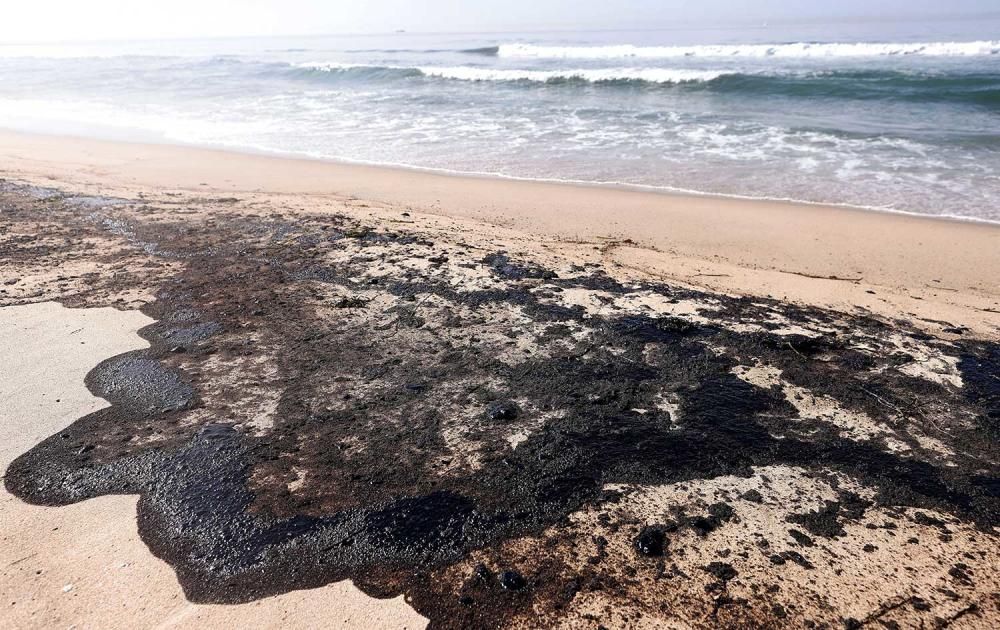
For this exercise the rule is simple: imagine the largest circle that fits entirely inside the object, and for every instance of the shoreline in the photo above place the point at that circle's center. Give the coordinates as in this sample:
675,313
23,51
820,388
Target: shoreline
675,192
669,191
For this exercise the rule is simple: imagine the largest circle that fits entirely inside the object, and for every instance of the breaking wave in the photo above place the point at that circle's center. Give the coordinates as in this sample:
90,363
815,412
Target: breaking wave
794,50
976,89
468,73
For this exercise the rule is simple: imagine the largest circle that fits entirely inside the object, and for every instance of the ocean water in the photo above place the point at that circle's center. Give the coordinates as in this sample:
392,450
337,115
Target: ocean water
902,117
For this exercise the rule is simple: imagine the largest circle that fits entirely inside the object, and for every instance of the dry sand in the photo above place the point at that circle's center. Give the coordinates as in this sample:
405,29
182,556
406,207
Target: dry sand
84,566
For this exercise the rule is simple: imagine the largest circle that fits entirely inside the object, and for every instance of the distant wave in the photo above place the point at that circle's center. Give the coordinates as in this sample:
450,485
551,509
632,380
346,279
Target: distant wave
468,73
485,50
793,50
973,89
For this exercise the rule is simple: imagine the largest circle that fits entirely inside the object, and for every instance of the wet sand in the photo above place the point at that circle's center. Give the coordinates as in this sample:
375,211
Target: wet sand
588,424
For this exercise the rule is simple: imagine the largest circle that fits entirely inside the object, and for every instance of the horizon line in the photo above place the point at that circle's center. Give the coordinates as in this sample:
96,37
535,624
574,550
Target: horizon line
679,26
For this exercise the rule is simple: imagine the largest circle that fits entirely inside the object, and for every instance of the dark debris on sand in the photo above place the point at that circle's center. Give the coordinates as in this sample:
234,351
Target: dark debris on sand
396,391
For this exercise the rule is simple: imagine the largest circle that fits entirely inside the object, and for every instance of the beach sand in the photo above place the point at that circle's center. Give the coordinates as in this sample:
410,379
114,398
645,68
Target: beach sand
894,301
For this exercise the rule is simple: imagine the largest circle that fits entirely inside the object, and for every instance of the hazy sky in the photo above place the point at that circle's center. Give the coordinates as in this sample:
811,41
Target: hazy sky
51,20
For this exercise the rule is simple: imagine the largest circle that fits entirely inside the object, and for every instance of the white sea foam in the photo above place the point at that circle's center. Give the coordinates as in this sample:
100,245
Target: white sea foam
649,75
794,50
471,73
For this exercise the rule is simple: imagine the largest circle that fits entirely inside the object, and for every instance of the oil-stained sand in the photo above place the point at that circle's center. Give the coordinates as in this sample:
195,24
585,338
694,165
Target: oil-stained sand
84,566
505,441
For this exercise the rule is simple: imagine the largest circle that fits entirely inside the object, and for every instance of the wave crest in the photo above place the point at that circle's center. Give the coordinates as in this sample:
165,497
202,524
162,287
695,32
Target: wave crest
794,50
468,73
973,89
